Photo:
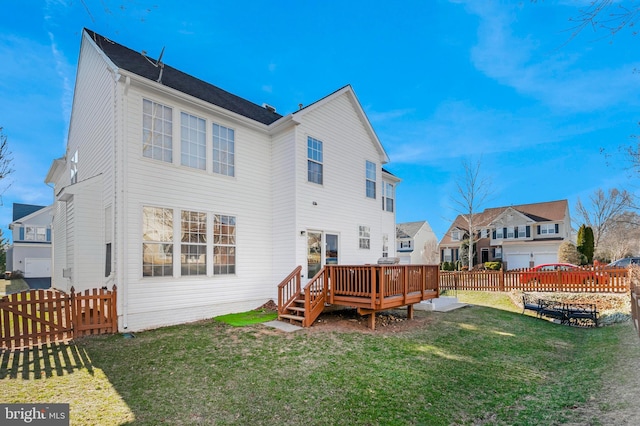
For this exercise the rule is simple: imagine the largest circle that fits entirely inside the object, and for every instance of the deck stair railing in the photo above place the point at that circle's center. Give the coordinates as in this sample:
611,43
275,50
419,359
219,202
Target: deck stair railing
302,305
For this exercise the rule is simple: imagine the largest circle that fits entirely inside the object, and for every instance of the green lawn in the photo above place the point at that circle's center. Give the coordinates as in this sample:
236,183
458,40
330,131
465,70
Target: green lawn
476,365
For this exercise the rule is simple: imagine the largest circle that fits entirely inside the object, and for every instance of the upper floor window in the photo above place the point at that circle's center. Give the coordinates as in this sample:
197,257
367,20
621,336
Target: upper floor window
387,196
157,242
223,150
510,232
157,131
548,228
193,251
371,179
35,233
74,168
499,233
484,233
455,235
193,141
405,244
314,160
364,234
521,231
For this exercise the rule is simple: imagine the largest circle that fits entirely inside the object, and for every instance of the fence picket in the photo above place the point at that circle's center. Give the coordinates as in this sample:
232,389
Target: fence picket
37,317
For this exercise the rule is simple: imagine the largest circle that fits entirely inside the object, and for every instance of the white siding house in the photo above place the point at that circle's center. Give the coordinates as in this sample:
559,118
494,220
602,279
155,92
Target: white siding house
416,243
196,202
30,252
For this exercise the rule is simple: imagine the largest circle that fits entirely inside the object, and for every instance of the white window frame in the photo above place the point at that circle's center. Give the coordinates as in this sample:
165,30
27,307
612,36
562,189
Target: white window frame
73,168
224,141
510,232
193,243
364,237
157,131
370,179
193,141
498,252
224,244
385,245
548,229
522,232
315,155
157,236
499,233
455,235
387,196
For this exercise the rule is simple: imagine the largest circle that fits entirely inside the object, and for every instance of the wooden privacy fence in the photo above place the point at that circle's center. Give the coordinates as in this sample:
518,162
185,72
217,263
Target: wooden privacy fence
35,317
591,280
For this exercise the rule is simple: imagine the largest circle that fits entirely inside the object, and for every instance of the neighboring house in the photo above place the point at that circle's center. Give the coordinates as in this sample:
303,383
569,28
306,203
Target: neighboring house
196,202
31,235
416,243
520,236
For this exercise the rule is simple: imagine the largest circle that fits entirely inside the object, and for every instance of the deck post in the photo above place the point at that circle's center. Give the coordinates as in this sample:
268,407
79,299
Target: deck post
372,320
410,312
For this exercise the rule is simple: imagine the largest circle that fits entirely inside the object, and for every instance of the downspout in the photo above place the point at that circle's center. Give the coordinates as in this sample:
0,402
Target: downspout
120,203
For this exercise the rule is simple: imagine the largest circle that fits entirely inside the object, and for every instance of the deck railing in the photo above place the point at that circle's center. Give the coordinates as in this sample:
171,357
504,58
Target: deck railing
289,289
591,280
374,285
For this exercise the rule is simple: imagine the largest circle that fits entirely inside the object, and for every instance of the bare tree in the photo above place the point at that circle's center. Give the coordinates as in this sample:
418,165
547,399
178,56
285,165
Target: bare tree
622,237
5,162
603,209
611,16
430,254
472,191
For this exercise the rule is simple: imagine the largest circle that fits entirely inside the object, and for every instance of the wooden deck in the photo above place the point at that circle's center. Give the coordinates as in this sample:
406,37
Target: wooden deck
369,288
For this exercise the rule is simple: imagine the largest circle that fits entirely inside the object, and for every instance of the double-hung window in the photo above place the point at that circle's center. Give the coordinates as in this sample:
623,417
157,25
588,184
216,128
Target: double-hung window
548,228
364,234
224,244
157,131
193,251
314,160
193,141
510,232
224,150
387,196
157,242
371,179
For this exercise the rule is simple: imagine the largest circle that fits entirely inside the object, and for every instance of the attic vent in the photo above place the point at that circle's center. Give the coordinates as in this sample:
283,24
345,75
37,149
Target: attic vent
269,107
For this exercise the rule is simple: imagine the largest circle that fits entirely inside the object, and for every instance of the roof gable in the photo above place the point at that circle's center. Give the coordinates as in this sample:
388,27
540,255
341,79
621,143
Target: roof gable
20,211
408,229
348,91
124,58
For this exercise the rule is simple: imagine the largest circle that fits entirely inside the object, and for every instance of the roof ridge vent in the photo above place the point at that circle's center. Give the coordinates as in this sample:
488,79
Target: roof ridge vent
269,107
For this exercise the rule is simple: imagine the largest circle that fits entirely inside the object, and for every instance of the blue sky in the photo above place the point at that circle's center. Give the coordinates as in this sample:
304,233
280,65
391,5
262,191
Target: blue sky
441,82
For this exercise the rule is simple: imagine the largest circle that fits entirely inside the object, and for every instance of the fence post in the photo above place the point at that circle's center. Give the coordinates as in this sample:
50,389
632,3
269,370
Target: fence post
501,278
73,310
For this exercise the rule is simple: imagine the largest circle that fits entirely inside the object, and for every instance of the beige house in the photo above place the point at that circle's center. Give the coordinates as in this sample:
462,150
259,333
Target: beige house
519,236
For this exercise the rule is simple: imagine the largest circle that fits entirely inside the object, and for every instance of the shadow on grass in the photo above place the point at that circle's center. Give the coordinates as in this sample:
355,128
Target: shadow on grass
48,360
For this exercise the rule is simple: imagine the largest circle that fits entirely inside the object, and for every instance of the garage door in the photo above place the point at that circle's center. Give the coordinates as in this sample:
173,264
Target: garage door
517,261
541,258
37,268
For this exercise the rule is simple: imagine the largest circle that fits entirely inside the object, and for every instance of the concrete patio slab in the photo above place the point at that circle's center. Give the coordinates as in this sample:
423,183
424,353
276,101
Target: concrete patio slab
281,325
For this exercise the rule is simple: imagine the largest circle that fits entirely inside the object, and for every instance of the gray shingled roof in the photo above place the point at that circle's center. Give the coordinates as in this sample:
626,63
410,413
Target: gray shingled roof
135,62
22,210
408,229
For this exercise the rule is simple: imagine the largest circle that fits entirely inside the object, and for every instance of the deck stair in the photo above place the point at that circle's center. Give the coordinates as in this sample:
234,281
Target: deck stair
295,311
369,288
